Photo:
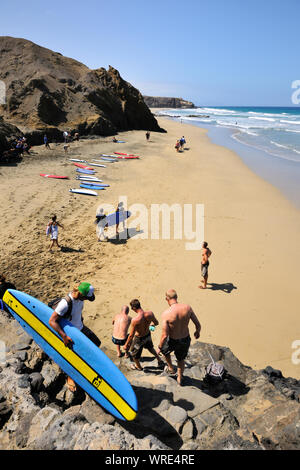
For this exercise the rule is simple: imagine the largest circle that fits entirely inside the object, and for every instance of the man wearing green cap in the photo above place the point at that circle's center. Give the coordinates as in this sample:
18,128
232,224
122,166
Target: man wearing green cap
71,308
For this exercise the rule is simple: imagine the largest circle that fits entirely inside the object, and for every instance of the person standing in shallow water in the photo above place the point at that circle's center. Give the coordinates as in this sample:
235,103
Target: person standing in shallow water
205,254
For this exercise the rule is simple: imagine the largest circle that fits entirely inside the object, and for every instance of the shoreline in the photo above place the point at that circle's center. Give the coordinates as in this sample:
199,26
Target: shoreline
250,305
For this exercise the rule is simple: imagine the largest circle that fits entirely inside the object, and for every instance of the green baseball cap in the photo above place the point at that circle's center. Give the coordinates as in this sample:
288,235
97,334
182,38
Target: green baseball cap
87,290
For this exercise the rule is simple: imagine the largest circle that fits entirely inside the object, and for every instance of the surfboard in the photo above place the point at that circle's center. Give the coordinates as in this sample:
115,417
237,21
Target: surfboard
76,160
94,180
87,192
88,186
113,219
86,172
97,164
108,160
127,154
108,156
92,183
80,165
127,157
85,363
54,176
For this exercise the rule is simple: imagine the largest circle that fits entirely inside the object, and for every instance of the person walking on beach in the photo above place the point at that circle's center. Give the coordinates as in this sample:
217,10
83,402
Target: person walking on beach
101,224
140,335
147,135
205,254
71,308
182,142
119,210
52,230
47,146
175,333
121,323
177,146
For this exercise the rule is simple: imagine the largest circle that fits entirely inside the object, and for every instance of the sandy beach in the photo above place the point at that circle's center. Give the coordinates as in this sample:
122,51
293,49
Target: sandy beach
251,304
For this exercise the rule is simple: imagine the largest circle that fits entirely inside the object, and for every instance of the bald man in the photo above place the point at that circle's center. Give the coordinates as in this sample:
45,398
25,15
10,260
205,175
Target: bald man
121,324
175,333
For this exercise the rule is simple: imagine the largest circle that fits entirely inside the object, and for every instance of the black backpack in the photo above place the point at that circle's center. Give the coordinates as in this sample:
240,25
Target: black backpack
54,303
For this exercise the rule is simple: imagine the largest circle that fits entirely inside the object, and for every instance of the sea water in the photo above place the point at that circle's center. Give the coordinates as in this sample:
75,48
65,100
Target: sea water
266,138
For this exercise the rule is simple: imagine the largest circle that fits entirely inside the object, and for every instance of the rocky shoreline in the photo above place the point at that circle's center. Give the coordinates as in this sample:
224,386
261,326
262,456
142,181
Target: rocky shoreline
248,410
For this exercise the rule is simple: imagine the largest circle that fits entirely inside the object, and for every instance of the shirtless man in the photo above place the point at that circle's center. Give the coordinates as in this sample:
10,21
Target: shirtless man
140,336
175,333
204,264
121,324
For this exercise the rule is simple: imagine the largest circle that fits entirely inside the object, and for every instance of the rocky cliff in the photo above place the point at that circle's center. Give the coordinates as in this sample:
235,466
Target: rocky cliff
47,90
164,102
248,410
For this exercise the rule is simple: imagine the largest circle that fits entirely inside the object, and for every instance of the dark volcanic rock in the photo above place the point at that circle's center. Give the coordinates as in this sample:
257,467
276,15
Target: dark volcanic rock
165,102
45,90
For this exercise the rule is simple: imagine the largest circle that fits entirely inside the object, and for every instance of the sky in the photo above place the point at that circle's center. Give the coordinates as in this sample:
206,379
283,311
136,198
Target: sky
211,52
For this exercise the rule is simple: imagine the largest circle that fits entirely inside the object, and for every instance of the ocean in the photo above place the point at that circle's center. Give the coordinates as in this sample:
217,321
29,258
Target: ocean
266,138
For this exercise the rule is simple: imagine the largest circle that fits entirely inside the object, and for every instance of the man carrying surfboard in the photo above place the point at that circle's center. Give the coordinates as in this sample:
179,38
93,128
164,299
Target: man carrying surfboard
140,336
72,310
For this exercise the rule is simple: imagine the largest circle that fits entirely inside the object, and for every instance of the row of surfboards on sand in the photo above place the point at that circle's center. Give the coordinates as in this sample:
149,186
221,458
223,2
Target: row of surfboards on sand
89,183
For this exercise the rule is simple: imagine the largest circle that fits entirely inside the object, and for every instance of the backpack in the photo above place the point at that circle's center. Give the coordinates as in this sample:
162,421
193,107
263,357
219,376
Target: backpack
54,303
215,372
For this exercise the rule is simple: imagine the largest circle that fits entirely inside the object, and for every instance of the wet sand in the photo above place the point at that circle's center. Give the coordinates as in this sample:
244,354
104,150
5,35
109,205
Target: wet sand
251,304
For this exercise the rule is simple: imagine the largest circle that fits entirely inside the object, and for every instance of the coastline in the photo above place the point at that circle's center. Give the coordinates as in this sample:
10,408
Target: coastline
251,306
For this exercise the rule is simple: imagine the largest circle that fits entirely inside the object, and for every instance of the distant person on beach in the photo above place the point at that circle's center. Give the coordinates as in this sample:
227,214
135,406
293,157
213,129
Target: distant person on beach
52,230
175,335
119,210
140,335
101,224
148,135
71,308
4,285
205,254
177,146
114,140
121,323
76,136
47,146
66,147
182,142
66,137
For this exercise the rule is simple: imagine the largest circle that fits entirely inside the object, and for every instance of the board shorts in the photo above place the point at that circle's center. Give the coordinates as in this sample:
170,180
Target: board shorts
204,269
119,342
139,343
180,347
91,335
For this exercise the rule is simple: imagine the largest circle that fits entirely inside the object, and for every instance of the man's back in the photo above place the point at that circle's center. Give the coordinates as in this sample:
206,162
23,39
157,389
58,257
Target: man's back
121,324
142,322
177,317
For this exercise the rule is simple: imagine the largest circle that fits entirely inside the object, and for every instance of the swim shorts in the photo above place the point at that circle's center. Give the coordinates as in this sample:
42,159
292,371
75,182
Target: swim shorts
139,343
204,269
179,346
119,342
89,334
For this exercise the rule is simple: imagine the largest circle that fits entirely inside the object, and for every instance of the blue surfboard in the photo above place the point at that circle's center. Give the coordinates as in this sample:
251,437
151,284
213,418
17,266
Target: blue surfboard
86,364
116,217
86,172
89,186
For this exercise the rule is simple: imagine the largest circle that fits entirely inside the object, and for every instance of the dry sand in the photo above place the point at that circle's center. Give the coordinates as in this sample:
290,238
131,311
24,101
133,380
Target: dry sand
251,304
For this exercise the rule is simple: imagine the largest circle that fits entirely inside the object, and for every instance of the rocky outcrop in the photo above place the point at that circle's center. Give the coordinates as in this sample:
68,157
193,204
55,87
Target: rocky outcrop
45,90
247,410
164,102
7,133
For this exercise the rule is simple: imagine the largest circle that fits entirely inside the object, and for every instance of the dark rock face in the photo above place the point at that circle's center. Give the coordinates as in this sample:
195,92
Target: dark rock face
247,410
47,90
7,133
164,102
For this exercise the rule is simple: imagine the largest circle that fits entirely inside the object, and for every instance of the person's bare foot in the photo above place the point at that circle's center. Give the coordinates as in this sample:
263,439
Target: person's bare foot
134,367
202,287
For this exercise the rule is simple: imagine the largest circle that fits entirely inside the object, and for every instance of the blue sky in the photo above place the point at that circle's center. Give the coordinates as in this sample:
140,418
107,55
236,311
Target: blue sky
213,52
